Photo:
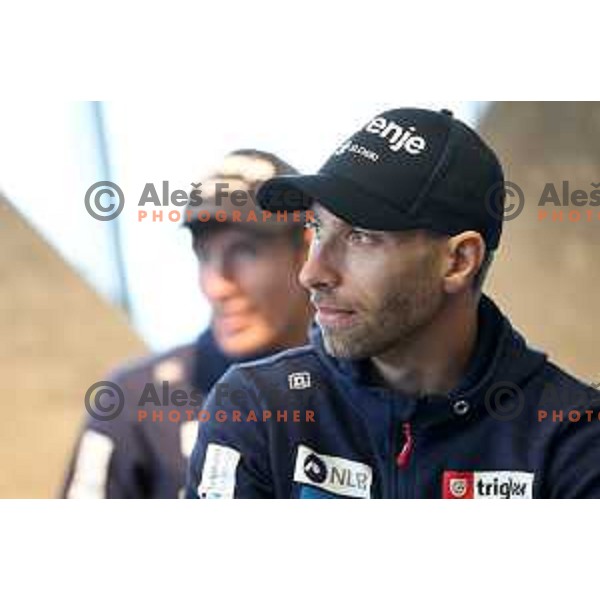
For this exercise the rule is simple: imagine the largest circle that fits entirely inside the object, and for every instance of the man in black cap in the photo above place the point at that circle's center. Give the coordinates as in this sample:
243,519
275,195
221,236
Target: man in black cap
420,386
248,265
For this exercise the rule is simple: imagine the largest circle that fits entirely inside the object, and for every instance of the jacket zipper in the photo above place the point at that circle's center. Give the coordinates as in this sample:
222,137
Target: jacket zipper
403,457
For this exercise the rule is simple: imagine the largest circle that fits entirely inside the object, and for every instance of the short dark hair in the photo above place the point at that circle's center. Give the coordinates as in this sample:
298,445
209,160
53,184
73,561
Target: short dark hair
488,257
281,167
267,165
199,230
484,268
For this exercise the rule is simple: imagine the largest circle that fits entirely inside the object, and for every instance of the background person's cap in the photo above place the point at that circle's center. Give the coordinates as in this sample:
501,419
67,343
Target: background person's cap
232,188
407,168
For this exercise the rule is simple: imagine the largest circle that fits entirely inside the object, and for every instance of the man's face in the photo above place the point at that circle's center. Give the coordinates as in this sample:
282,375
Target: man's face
373,290
251,283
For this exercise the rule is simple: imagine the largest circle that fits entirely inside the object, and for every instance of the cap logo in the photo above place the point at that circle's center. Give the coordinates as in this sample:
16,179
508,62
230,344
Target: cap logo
343,148
398,138
350,146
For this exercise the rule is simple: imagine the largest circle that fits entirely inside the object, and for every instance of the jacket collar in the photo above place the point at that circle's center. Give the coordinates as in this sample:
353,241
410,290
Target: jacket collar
501,356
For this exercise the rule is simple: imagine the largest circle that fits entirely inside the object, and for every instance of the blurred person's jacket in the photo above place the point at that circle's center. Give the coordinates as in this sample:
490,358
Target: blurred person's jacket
130,456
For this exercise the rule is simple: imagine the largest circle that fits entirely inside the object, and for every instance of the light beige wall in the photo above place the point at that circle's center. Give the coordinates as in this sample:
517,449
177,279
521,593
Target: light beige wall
57,337
547,275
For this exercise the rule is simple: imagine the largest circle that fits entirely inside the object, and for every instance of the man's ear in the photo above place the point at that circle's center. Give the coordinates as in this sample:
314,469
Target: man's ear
464,256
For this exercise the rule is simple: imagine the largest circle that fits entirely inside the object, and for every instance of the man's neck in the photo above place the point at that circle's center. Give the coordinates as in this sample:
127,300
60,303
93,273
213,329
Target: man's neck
435,360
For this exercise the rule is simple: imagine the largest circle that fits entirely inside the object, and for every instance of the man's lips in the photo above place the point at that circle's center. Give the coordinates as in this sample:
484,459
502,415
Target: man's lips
226,314
331,315
231,322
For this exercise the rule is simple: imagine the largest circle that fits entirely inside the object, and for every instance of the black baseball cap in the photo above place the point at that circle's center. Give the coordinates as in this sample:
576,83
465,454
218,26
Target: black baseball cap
407,168
227,194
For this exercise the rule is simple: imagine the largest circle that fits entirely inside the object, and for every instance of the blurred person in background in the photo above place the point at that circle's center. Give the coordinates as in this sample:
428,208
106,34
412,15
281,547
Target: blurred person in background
248,272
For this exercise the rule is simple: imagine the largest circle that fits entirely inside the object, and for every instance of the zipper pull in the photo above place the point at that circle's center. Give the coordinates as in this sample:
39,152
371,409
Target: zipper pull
404,455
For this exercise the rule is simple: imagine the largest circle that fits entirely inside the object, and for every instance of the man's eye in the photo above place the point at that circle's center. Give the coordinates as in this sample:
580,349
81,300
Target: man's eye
313,227
360,236
244,250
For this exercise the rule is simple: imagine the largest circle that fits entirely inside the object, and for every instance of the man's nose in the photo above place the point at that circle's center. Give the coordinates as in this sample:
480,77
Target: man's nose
319,271
216,282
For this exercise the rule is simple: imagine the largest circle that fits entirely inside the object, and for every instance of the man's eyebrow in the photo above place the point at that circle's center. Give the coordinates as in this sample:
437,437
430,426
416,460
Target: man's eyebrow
332,220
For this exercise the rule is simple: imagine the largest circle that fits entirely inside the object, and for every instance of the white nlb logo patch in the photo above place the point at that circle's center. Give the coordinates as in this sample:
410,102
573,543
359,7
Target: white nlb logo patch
333,474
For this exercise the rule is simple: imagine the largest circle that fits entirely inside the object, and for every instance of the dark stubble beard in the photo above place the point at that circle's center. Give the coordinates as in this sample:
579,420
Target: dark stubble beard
408,305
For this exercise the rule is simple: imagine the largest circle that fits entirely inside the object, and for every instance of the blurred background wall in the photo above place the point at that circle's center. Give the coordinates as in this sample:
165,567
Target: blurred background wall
546,275
63,320
58,337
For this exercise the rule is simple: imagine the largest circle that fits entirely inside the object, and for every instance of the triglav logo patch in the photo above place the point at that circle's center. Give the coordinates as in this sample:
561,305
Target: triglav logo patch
459,487
487,485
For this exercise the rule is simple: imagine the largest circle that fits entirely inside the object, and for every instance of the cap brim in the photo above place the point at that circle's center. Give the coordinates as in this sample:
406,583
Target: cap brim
343,198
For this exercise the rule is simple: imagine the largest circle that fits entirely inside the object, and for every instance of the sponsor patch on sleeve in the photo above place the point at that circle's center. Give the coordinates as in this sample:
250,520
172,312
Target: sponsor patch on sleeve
218,473
333,474
188,434
90,475
487,485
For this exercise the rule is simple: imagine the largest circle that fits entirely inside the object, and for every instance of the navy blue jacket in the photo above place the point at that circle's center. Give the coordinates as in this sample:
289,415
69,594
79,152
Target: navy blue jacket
130,457
302,424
